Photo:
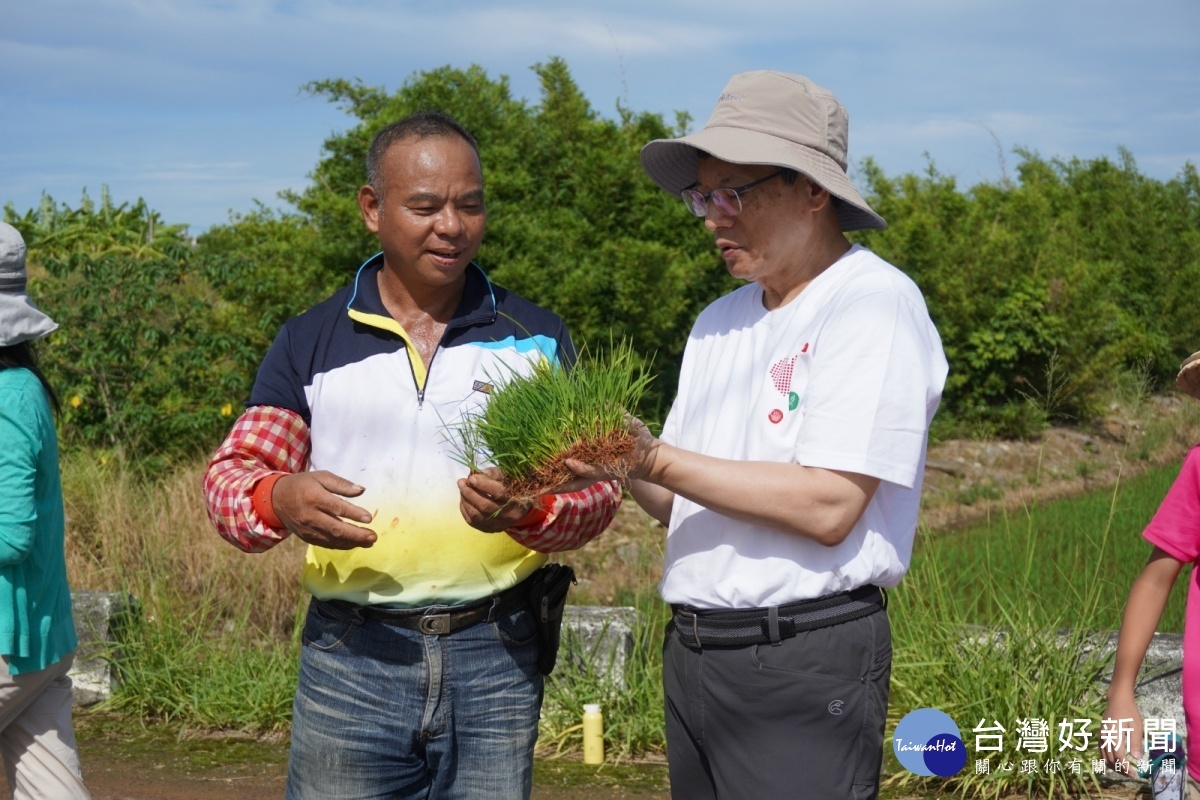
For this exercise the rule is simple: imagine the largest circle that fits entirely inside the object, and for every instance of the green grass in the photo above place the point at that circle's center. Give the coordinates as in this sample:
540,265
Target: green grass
185,665
999,623
1016,668
533,419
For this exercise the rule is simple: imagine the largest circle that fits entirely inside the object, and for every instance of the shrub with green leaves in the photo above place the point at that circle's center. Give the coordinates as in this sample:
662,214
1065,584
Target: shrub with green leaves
148,360
535,422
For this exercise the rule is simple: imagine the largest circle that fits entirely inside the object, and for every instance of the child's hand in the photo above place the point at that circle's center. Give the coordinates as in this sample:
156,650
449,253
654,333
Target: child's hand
1123,709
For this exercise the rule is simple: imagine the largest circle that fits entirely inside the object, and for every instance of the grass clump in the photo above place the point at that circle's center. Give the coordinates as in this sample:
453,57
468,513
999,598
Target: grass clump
535,422
1008,629
188,665
1038,667
632,704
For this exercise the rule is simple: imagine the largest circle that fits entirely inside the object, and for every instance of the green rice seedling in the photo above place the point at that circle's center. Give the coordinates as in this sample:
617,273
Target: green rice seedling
1025,688
1055,551
534,422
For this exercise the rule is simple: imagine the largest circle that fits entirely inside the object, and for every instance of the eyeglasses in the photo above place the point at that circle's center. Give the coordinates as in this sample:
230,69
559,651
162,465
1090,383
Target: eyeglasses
728,201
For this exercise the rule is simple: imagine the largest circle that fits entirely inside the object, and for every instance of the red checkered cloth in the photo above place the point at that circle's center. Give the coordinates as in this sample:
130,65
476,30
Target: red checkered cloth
264,440
572,519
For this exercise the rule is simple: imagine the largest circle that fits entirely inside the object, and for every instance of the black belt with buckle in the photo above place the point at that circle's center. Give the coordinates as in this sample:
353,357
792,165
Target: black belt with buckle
444,619
715,628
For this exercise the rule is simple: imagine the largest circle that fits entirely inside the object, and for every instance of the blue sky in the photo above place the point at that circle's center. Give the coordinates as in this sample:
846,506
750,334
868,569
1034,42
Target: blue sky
195,105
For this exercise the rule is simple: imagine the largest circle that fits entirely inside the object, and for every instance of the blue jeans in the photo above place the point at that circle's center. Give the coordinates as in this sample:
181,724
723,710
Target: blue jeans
385,712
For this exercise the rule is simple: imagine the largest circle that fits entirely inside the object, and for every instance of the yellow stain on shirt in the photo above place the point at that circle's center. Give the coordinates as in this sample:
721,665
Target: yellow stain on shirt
423,556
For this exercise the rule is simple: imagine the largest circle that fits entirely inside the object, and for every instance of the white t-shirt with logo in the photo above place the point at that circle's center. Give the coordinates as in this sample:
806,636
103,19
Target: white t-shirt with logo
847,376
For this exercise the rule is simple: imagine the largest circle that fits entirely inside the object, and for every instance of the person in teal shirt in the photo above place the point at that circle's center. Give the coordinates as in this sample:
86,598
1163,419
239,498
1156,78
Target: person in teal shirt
37,630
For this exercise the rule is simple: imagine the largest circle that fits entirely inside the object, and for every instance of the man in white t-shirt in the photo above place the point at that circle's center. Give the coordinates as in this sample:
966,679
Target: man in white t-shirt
789,468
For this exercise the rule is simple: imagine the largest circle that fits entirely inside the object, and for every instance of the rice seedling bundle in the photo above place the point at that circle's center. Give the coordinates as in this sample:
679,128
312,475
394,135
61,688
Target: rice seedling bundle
534,423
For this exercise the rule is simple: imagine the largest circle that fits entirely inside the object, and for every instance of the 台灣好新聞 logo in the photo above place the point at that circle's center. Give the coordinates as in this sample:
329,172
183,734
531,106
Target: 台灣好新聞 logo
927,742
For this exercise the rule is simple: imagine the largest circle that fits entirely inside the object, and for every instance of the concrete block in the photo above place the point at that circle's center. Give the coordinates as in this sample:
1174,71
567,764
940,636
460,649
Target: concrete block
99,617
598,640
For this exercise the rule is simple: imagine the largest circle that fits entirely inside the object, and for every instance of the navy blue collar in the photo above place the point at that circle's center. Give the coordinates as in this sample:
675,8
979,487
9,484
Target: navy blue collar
477,306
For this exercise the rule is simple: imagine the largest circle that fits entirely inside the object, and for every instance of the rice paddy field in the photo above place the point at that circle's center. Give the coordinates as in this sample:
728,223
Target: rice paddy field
1055,553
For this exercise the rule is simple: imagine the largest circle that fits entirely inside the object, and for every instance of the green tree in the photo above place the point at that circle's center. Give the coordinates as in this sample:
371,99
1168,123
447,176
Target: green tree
1043,286
147,359
1083,266
266,266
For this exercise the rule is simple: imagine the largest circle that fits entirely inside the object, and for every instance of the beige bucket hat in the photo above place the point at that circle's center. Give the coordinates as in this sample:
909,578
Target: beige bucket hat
1188,379
776,118
20,319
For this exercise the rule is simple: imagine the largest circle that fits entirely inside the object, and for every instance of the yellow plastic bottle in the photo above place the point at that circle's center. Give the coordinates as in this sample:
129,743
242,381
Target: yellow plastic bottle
593,734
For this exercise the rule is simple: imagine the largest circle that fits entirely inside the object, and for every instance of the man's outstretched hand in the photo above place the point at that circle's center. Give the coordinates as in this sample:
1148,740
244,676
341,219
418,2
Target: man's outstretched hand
637,466
312,504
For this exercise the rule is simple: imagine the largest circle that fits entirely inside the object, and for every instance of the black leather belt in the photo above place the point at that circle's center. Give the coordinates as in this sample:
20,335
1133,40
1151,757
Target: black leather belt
715,628
442,619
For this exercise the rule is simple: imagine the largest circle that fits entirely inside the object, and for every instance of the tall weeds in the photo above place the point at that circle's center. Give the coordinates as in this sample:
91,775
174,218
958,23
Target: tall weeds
1040,660
214,646
131,532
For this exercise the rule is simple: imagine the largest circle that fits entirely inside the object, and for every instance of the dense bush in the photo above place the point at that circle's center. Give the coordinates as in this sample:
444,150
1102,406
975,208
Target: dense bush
148,361
1044,286
1049,286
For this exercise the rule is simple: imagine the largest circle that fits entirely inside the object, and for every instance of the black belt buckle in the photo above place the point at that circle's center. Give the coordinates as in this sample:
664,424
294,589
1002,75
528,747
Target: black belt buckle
434,624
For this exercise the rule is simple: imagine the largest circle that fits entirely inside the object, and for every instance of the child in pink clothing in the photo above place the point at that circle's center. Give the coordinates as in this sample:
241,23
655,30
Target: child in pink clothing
1175,534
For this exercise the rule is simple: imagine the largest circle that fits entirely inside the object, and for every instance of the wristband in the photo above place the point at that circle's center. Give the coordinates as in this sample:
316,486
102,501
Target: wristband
261,501
539,512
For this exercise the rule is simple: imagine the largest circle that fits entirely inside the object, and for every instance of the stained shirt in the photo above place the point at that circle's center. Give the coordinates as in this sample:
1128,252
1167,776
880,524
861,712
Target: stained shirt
343,389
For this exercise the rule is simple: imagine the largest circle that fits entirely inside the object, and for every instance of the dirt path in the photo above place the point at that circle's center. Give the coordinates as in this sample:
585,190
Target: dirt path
128,761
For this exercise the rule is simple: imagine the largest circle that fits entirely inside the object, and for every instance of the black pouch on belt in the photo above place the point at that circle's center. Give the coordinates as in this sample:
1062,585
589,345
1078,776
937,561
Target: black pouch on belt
547,598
